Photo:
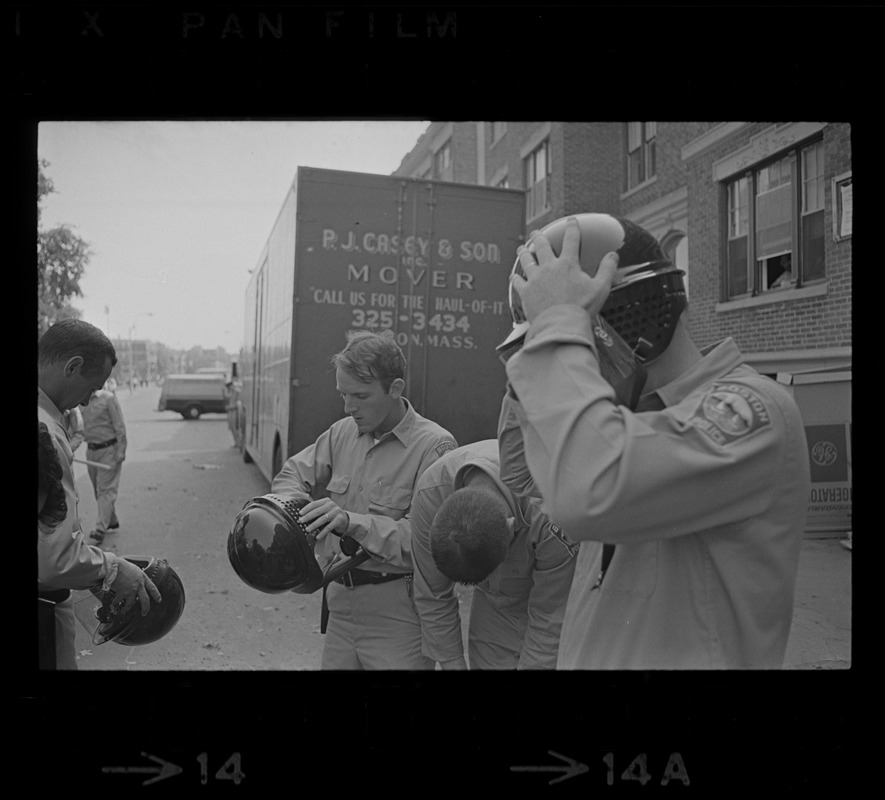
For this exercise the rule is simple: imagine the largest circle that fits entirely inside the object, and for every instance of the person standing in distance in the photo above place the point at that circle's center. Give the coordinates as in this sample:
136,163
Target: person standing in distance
359,477
74,359
105,433
702,487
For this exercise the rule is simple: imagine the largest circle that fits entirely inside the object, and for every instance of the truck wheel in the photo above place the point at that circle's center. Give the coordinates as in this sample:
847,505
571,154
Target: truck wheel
191,412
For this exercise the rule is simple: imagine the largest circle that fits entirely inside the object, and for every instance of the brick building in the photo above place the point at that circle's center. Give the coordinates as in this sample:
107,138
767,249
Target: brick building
757,214
731,202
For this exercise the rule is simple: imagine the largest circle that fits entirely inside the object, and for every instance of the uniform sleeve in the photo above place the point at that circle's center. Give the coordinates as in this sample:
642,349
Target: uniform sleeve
305,475
434,593
611,474
388,539
515,473
64,559
551,580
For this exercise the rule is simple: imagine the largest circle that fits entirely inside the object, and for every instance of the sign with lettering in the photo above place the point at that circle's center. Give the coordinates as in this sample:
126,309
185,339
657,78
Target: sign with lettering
829,507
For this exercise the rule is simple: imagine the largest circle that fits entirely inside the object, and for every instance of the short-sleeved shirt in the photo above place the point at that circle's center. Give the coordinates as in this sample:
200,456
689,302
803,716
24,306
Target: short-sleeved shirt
103,420
526,592
373,480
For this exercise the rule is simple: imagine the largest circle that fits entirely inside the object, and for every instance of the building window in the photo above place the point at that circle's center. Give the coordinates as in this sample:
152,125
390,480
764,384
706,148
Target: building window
442,162
498,130
641,164
776,224
537,180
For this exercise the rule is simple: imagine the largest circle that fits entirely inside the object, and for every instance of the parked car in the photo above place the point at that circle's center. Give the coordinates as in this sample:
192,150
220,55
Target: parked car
193,395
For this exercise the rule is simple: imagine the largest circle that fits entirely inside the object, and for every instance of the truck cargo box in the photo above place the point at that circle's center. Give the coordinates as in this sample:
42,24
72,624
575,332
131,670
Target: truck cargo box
350,251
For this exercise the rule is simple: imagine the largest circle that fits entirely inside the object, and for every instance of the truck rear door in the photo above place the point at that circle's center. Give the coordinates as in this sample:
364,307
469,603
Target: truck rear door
428,260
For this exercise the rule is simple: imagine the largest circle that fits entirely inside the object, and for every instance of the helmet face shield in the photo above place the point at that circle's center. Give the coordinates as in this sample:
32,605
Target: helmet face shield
644,310
647,295
271,550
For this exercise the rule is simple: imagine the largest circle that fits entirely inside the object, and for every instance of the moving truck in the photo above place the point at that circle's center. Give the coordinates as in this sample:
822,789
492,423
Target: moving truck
349,251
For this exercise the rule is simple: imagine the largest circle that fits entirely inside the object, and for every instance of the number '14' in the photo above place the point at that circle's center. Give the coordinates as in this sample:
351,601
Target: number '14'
229,771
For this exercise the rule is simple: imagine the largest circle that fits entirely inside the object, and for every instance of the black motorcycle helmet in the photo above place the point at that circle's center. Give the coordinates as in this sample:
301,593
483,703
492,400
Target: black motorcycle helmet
132,628
647,295
271,550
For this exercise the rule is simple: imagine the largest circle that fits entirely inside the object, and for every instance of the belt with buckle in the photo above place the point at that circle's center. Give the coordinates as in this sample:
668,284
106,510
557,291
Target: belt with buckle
100,445
361,577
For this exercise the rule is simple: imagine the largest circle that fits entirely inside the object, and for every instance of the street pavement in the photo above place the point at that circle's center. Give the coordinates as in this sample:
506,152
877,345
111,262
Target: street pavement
821,634
820,637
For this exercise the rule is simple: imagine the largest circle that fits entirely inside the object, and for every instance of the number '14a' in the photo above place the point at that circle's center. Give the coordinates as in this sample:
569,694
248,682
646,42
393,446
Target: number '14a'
637,770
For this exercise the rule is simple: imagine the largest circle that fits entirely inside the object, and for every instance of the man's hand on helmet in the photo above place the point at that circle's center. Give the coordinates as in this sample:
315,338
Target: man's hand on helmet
553,280
324,516
132,585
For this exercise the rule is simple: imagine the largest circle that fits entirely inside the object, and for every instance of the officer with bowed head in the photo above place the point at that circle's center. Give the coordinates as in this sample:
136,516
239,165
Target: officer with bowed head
687,463
74,359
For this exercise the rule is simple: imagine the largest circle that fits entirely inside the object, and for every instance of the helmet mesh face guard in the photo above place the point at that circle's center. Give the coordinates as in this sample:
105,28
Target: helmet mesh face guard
644,311
271,550
132,628
647,294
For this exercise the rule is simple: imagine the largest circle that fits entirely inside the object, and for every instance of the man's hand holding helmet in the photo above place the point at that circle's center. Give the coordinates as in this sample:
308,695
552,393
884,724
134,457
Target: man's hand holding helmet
553,280
132,585
324,516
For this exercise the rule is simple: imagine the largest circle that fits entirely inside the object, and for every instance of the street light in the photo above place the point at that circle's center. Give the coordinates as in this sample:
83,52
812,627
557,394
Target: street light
132,348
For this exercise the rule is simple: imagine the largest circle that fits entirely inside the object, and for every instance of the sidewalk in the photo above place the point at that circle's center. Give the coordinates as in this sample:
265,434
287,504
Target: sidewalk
821,633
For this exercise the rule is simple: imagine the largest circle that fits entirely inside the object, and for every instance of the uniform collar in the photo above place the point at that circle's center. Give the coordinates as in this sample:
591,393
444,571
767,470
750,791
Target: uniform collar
716,361
403,429
47,405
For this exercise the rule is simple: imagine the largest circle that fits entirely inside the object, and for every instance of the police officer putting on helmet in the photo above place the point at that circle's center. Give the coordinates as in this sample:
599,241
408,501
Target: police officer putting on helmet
359,477
701,487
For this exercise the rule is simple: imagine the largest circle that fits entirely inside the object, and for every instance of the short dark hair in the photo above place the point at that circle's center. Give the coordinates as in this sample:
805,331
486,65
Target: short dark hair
371,356
49,475
469,536
74,337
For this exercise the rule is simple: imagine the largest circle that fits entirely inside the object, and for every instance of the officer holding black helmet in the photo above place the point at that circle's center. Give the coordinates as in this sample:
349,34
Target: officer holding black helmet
692,465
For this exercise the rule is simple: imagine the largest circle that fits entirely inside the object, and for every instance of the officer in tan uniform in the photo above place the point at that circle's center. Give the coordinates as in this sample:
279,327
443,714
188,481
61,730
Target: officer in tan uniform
701,488
74,359
359,476
105,433
468,527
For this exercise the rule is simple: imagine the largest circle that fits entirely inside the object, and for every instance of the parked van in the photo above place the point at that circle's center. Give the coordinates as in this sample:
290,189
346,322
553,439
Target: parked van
192,395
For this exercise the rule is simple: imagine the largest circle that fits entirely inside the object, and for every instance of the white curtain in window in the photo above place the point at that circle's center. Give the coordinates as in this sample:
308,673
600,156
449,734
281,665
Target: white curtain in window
773,222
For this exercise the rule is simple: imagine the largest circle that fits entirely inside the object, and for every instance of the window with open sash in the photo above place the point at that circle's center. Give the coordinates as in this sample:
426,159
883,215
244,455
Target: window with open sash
775,225
442,162
641,164
537,180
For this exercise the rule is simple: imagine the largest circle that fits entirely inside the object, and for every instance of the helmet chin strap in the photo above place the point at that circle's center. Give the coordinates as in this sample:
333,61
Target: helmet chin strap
629,390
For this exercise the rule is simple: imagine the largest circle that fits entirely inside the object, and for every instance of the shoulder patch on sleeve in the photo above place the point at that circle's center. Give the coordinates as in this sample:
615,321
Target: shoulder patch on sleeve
443,448
557,532
730,411
569,545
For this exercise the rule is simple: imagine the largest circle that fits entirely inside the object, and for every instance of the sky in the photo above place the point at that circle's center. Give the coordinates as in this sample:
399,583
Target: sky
177,213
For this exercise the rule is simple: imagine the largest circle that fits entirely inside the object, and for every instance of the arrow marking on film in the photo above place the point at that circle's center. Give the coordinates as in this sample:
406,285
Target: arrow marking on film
573,768
165,770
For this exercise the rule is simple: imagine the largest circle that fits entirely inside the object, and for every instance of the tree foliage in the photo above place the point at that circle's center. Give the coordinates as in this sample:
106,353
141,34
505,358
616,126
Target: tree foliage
62,257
